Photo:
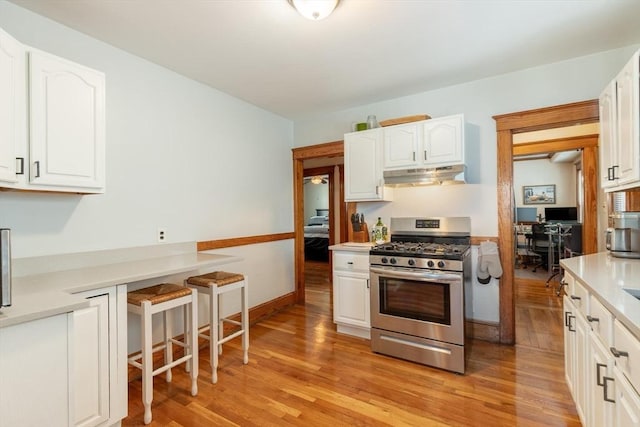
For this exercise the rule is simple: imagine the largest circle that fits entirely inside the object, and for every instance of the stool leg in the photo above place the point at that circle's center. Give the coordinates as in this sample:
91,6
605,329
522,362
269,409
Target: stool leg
213,334
245,320
147,360
186,322
168,345
220,324
193,340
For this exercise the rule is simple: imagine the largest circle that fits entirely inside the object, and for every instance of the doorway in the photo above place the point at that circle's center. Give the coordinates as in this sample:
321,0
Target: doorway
545,118
331,153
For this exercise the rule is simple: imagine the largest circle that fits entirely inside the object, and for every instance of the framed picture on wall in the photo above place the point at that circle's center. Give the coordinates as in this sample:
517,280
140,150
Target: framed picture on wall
539,194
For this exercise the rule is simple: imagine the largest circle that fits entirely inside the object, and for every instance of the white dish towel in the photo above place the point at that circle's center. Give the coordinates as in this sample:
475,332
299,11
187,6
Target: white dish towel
488,262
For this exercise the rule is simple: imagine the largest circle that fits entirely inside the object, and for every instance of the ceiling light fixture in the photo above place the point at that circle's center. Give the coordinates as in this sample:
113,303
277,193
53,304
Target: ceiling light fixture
314,9
316,180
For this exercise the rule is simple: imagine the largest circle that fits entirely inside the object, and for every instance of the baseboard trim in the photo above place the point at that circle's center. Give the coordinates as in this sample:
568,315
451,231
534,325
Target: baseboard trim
485,331
256,314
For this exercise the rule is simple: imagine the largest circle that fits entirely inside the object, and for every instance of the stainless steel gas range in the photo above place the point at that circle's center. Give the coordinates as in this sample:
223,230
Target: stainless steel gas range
417,291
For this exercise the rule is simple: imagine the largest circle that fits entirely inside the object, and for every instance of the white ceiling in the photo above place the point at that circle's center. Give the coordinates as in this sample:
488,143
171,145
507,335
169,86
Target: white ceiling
263,52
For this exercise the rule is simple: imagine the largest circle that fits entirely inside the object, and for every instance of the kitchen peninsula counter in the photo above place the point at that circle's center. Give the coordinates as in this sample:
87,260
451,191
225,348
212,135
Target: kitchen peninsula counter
607,277
45,286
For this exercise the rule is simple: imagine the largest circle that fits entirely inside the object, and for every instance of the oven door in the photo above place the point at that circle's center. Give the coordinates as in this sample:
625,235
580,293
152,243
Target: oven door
422,303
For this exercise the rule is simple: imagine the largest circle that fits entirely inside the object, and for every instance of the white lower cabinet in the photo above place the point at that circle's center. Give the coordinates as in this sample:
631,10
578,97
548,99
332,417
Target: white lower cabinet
351,311
91,363
602,361
599,385
576,339
627,403
99,340
34,373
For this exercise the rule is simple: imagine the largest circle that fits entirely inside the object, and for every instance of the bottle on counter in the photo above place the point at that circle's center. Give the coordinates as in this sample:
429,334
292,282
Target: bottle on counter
379,231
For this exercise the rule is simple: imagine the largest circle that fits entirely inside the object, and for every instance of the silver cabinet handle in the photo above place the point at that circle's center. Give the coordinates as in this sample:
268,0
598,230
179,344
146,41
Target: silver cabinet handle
414,156
618,353
605,389
570,325
575,297
566,318
19,165
599,380
592,319
37,167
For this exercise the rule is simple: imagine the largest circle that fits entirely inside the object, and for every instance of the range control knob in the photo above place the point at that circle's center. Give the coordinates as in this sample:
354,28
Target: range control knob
411,262
429,263
441,264
384,260
392,261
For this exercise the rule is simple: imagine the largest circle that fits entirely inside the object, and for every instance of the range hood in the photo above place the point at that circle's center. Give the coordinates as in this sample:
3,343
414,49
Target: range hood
425,176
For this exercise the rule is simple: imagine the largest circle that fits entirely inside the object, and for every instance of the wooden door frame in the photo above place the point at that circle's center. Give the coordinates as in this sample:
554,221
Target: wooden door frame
329,149
329,171
544,118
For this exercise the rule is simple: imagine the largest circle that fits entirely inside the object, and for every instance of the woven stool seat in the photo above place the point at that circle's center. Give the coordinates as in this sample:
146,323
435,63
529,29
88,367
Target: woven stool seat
157,294
217,278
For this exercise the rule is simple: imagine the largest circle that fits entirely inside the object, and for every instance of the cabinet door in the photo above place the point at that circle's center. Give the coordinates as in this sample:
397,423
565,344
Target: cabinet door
569,343
351,299
401,147
601,411
627,403
607,104
627,131
67,124
34,373
91,363
443,141
580,379
12,108
363,166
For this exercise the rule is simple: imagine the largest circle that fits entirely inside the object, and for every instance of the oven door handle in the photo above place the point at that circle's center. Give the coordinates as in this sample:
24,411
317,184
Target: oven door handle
403,274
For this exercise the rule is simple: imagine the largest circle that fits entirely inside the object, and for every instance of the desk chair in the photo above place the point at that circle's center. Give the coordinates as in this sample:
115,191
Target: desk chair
540,244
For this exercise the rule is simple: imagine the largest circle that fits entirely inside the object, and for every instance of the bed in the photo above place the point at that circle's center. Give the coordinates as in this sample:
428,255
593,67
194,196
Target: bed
316,239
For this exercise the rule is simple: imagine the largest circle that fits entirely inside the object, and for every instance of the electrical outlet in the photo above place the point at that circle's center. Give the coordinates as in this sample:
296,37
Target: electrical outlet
162,235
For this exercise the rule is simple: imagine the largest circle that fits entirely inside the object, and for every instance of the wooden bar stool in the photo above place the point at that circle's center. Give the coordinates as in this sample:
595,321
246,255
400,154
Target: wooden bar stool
162,299
215,284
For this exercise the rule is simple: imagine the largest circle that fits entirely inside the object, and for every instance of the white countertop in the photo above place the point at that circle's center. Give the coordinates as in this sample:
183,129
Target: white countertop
607,277
353,246
46,294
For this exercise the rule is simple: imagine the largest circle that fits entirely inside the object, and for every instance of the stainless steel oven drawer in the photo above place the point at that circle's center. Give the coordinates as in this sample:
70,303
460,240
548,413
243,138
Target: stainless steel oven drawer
421,350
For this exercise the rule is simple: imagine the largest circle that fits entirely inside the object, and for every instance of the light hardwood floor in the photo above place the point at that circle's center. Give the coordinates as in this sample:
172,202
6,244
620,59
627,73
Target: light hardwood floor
302,373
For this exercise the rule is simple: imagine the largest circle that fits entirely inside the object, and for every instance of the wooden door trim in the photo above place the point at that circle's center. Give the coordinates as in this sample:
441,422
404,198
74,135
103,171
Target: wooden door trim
524,121
299,155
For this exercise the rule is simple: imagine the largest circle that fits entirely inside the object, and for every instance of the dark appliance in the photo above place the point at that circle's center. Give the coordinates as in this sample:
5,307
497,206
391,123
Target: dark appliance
569,214
417,291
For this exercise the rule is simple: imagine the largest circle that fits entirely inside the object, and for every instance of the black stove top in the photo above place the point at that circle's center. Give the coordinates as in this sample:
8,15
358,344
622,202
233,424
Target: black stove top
422,249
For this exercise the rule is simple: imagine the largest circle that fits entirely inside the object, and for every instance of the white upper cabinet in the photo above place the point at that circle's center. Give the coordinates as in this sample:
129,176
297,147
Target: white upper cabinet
620,136
607,104
12,107
363,167
66,124
402,146
58,142
429,143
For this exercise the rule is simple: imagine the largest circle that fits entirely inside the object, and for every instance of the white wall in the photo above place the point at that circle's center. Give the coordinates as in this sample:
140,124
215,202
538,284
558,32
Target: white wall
573,80
544,172
316,196
180,155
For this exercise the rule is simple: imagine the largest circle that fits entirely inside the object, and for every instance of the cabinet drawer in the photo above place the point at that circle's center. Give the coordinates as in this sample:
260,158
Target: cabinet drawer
351,261
570,281
628,348
603,326
580,297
